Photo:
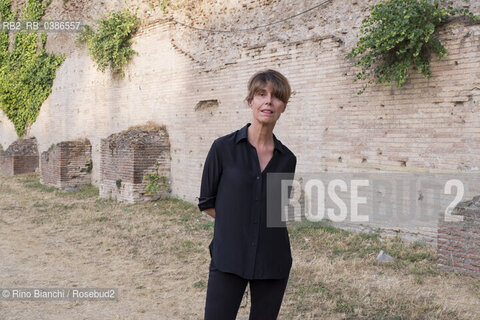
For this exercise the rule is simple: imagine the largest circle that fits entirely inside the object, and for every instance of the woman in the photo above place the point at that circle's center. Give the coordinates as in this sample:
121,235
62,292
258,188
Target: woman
233,191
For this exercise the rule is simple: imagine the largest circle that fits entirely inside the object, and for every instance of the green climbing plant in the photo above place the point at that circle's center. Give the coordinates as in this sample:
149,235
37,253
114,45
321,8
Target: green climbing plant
27,71
110,44
399,34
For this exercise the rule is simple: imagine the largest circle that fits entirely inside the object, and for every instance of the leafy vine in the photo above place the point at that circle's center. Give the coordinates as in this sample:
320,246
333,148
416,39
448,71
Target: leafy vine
26,72
399,34
110,44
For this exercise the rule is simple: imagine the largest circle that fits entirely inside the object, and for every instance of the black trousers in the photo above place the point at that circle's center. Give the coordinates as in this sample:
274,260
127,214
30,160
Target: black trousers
225,292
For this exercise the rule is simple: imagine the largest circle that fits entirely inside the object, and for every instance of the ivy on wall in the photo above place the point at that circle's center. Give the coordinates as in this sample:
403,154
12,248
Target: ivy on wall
26,72
110,44
399,34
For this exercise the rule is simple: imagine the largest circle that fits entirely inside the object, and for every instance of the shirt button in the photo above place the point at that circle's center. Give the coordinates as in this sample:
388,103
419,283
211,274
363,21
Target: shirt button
258,177
253,244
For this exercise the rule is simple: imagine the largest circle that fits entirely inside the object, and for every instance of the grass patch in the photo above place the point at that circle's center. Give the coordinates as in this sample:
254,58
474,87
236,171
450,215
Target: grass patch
40,205
101,219
36,185
346,245
207,226
201,284
86,192
103,203
12,208
356,251
186,248
5,189
307,226
341,299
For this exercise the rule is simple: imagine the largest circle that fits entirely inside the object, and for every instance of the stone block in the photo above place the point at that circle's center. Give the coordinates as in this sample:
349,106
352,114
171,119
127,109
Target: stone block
20,157
132,158
67,164
459,241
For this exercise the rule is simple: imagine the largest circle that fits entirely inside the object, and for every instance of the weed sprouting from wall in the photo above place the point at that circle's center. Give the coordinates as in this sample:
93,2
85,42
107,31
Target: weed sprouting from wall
110,44
399,34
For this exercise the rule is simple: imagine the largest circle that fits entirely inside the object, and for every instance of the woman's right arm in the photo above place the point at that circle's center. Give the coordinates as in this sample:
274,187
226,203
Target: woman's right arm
212,171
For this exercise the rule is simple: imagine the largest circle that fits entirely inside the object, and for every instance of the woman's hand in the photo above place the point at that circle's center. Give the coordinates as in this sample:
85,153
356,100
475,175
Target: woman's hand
210,212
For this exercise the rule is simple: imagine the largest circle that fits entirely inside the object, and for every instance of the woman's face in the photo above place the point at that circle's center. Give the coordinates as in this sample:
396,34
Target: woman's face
266,107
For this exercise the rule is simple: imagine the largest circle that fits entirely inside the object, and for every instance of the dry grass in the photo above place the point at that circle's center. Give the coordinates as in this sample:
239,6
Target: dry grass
149,126
337,276
156,253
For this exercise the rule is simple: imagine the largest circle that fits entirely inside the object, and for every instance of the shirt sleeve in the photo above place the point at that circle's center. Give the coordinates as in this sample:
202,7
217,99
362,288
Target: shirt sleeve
292,172
212,171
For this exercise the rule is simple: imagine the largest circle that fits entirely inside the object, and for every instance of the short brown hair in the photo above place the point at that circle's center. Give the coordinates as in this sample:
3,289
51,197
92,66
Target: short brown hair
281,87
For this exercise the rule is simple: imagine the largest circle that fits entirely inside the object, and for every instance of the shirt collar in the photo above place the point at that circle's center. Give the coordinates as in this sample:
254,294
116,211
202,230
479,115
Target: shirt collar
243,134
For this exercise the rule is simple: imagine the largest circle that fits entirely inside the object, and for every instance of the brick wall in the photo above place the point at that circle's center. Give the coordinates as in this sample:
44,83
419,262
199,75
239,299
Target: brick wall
429,124
127,157
25,164
459,241
7,131
20,157
67,164
6,165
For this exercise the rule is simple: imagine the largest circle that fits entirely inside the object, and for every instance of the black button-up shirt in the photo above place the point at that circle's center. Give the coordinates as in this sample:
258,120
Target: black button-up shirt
233,184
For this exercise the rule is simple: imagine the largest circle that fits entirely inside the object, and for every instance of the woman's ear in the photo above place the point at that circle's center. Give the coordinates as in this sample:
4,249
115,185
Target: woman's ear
284,107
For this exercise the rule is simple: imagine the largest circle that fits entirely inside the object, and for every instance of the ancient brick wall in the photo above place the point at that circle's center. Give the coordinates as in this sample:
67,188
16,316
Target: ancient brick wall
459,241
6,165
429,124
7,131
50,166
128,157
67,164
20,157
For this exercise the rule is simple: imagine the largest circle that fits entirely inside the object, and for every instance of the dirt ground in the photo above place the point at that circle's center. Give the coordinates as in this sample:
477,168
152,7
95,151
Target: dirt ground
45,242
156,254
